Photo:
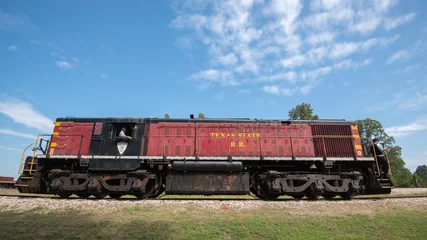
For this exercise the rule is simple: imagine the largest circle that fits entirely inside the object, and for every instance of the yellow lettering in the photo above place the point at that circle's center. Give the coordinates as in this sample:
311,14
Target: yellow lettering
241,144
233,144
233,135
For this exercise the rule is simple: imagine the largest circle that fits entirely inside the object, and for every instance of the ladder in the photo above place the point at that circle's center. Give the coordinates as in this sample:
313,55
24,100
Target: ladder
28,165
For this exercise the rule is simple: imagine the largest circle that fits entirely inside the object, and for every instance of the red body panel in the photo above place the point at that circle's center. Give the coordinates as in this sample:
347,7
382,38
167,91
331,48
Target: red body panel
6,179
210,139
71,138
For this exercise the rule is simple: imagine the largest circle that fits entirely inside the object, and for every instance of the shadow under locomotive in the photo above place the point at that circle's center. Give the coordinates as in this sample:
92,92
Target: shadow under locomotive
268,158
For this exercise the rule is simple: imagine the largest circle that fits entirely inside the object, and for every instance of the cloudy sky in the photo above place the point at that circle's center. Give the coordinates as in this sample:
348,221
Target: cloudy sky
258,59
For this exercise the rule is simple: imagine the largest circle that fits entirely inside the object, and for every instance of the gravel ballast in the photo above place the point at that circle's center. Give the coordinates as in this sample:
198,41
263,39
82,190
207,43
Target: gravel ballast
303,207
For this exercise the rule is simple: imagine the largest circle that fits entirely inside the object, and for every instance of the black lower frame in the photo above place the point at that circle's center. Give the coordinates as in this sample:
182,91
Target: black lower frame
267,180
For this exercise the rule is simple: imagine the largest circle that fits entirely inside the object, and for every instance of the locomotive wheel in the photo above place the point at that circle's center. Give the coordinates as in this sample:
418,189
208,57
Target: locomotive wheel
328,196
115,195
348,195
83,194
298,196
63,194
263,194
311,196
161,190
100,195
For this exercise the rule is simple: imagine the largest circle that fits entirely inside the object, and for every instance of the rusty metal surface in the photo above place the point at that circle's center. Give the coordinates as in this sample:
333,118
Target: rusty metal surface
207,166
114,164
196,183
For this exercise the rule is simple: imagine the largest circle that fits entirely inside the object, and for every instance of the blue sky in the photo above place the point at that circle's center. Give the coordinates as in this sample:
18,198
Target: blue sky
256,59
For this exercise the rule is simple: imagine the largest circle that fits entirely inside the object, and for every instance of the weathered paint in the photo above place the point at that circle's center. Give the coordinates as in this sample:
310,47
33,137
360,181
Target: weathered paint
207,183
71,138
244,140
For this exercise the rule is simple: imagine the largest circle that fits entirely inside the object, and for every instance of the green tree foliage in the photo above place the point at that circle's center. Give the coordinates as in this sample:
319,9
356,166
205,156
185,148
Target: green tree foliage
302,111
370,129
401,175
202,115
420,176
167,116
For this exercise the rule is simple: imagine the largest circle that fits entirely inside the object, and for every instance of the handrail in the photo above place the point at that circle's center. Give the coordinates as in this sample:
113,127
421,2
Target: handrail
388,162
21,164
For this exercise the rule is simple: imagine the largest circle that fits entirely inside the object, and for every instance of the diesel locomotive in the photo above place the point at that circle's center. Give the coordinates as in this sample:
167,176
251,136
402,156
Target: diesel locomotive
146,157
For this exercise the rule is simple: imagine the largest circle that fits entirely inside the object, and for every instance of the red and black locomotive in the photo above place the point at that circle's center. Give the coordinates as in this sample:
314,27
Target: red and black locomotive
146,157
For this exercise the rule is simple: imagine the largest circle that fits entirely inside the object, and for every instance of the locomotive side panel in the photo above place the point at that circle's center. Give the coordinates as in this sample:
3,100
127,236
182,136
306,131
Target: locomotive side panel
254,140
170,139
70,138
229,139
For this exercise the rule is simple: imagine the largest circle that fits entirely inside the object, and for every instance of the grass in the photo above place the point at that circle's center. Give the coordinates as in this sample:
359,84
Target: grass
143,222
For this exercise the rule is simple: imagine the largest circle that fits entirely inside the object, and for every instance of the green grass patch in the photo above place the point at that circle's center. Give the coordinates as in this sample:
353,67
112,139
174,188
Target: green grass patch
157,223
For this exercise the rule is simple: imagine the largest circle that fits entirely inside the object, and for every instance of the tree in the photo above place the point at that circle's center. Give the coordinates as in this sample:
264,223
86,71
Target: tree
201,115
302,112
420,176
167,116
401,175
370,129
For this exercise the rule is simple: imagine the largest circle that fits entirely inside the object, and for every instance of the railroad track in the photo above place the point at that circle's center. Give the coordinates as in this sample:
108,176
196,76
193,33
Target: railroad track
362,197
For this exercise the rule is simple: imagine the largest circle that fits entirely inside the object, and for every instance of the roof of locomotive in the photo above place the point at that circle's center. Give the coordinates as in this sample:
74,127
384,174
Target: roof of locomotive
205,120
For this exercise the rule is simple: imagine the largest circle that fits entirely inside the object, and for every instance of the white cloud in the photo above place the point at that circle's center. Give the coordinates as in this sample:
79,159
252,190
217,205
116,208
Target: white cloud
341,50
271,89
250,42
413,100
229,59
406,129
409,68
12,48
391,23
313,74
15,133
277,90
63,65
367,25
23,113
320,38
209,76
294,61
399,55
11,149
289,76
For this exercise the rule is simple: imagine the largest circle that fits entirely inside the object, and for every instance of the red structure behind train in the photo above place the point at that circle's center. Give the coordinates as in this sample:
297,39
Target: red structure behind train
269,158
7,182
